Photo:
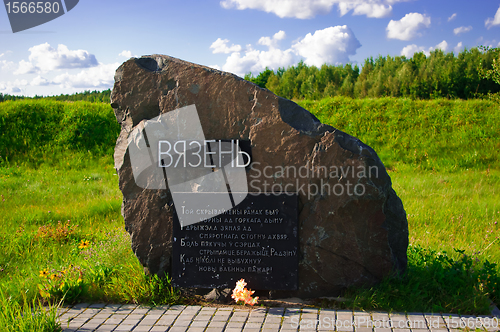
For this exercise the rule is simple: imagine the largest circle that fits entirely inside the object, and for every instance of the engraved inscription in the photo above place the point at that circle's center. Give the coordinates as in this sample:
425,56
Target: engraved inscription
257,241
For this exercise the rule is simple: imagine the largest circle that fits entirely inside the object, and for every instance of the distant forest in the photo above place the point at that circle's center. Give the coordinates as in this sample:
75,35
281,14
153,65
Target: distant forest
92,96
473,73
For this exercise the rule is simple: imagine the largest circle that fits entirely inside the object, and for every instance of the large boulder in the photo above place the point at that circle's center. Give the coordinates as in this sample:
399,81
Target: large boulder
346,238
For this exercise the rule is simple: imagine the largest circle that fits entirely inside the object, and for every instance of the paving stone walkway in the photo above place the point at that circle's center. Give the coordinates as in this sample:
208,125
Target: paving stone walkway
180,318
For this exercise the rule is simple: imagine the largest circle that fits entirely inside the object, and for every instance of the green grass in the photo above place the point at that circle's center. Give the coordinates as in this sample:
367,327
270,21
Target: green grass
60,204
16,317
452,210
454,227
441,134
47,214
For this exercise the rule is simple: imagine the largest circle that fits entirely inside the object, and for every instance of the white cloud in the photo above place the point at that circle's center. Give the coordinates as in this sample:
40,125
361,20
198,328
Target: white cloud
283,8
272,42
99,77
7,65
305,9
370,9
220,46
44,58
443,46
452,17
458,48
462,29
409,50
25,67
13,87
493,21
331,45
126,54
407,27
40,81
256,61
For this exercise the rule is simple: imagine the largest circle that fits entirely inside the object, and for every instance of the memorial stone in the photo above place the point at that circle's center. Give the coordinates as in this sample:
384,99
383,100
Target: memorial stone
351,225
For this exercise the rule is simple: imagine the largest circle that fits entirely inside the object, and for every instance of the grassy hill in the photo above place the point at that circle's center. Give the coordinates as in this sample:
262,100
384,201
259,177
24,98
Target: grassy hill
37,130
438,134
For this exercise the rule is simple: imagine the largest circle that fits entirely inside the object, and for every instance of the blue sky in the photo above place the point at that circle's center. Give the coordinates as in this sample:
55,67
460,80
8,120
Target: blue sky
81,49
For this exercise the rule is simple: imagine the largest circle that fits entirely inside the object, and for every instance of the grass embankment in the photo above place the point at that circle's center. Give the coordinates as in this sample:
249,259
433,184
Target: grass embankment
441,134
40,131
60,205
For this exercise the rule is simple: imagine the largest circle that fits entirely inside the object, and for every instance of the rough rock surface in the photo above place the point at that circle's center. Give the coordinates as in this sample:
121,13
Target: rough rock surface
344,239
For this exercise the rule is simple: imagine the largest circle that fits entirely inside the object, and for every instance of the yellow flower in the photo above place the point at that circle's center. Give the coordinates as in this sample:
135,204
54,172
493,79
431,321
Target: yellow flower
44,273
54,276
84,244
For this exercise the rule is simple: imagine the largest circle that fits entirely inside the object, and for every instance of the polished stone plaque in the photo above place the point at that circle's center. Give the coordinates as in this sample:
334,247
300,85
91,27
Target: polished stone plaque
257,241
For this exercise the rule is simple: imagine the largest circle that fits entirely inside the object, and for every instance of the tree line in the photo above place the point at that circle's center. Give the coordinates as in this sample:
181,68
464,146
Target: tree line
91,96
470,74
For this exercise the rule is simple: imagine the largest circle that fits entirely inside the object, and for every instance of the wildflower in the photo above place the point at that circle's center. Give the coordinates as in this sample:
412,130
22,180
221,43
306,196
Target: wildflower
240,293
84,244
53,276
44,273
